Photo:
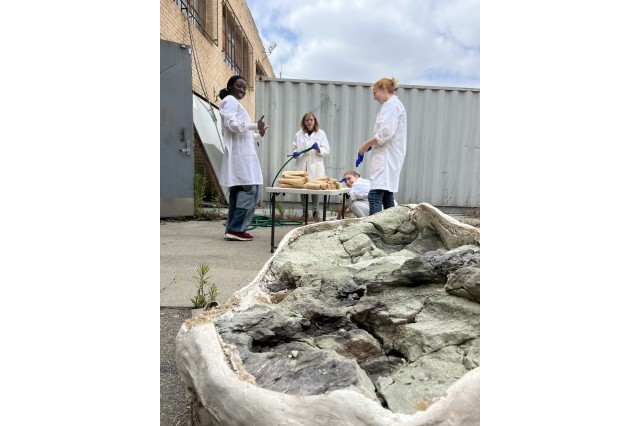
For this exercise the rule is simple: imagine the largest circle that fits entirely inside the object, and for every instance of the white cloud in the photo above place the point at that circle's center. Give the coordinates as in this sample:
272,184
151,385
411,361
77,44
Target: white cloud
422,42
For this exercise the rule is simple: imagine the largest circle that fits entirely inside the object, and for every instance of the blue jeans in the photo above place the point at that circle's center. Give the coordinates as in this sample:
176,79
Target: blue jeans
379,198
242,206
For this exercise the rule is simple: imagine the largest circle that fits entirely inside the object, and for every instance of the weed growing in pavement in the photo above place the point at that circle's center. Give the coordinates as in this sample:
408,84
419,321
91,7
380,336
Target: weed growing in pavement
280,208
215,209
199,188
212,210
206,292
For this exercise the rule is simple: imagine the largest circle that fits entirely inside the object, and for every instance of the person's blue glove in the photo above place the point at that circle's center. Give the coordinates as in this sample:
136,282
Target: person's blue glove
361,157
295,154
315,146
343,179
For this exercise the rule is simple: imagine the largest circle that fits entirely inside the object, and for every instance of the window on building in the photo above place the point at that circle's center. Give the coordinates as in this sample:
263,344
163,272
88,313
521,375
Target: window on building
238,53
196,13
260,72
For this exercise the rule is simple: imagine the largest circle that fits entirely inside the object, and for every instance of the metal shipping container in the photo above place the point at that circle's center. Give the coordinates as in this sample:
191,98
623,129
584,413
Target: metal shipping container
442,163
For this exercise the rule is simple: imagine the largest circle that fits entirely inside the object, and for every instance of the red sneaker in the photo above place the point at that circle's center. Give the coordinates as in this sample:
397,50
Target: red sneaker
238,236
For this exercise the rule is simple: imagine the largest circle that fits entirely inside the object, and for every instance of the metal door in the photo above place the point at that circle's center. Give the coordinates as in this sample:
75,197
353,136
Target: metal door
176,131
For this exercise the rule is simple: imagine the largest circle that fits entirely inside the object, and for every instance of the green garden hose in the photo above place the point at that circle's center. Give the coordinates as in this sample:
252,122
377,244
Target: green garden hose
265,221
287,162
259,220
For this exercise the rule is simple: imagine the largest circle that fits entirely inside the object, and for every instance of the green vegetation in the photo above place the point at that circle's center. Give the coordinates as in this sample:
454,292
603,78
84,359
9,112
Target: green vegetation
199,195
207,292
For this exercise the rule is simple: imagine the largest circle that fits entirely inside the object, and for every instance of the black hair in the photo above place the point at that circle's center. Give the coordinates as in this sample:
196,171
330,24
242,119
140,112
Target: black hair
224,92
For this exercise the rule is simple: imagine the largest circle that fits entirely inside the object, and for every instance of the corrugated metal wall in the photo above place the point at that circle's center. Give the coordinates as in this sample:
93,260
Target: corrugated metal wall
442,164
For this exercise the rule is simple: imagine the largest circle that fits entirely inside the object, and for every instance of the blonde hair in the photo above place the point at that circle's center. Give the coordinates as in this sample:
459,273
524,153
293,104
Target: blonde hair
390,85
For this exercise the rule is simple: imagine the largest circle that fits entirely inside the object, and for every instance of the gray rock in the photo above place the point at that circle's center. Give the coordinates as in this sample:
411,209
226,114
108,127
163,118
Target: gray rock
392,299
417,385
465,282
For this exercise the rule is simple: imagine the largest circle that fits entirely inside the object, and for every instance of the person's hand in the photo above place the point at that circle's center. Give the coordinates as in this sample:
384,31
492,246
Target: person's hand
315,146
262,127
361,151
359,160
295,154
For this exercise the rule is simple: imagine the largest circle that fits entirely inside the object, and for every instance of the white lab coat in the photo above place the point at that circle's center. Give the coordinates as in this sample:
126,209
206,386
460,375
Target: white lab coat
359,197
387,157
240,163
312,161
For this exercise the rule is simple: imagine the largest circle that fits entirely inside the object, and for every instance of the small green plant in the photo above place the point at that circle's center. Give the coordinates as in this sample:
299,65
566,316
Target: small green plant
213,292
215,210
207,292
280,208
204,210
290,213
199,189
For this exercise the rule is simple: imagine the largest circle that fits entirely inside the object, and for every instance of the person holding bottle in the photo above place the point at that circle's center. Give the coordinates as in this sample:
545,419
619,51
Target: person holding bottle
240,171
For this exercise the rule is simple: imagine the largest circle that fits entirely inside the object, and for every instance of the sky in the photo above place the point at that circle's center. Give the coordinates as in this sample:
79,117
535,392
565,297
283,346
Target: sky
420,42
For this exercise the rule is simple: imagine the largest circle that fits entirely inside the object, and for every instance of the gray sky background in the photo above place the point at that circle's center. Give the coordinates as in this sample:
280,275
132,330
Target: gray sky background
420,42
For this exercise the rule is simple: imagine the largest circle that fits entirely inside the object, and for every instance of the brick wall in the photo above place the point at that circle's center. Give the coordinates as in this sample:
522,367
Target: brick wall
209,72
214,72
200,167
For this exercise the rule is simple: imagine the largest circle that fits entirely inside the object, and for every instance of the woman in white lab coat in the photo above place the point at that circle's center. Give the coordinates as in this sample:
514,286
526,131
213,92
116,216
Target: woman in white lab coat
389,144
312,136
240,165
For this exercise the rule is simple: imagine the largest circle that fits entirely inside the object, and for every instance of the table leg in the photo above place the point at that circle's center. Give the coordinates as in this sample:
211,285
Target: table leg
273,219
344,197
306,208
324,208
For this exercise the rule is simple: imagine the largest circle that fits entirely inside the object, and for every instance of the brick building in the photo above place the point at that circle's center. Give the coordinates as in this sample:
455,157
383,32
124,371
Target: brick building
223,41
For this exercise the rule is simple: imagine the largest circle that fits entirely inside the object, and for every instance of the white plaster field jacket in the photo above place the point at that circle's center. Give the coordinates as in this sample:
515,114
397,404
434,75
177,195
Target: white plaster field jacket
312,161
387,157
240,163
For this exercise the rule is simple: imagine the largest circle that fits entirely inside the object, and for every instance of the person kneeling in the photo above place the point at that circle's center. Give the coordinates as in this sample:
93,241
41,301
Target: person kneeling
358,198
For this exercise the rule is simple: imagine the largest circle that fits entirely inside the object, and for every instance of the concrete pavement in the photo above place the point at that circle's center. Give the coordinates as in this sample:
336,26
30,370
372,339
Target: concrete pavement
232,265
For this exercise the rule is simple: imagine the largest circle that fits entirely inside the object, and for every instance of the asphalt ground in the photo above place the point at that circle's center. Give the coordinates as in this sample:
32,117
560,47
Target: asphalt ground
174,404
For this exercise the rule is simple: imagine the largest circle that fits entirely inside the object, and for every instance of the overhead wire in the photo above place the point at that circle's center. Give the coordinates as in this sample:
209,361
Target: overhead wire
198,70
257,219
